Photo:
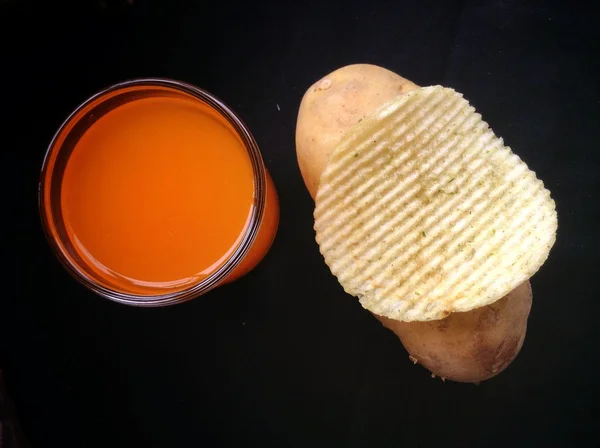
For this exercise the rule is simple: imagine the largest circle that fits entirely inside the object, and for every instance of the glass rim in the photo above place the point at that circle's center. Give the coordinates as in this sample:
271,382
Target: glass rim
233,260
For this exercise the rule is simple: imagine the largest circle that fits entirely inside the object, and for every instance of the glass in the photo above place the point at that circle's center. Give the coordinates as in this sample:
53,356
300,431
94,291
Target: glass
255,240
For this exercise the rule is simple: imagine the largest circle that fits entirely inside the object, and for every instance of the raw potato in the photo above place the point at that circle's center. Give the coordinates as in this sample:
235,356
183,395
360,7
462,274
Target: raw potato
334,104
463,346
471,346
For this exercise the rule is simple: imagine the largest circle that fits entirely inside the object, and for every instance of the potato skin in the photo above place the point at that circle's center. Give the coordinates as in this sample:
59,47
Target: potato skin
334,104
471,346
465,347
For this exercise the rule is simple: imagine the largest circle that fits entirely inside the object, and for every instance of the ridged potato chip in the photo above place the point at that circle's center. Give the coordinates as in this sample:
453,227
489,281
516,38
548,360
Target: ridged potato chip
422,211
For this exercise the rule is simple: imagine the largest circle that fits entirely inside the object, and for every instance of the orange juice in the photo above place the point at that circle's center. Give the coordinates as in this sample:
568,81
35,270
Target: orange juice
157,194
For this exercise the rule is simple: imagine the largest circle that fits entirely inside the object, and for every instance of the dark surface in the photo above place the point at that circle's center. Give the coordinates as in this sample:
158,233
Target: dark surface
11,435
283,357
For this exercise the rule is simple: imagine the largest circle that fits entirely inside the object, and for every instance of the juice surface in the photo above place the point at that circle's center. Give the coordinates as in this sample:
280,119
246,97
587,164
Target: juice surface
157,193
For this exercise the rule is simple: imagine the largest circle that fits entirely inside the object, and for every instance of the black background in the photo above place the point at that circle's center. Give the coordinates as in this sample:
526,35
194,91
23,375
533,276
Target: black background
283,357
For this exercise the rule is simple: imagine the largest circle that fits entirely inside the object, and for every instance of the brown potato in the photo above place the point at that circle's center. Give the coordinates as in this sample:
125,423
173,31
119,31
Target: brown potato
471,346
467,347
333,105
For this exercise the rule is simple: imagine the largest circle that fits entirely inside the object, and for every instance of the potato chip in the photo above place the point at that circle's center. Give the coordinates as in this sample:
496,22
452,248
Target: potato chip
422,211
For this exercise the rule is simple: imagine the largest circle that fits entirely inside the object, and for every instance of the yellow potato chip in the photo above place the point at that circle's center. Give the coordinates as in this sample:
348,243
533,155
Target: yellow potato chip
422,210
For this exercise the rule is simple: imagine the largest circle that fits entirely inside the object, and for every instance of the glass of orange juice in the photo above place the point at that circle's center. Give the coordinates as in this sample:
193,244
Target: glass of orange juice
153,192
